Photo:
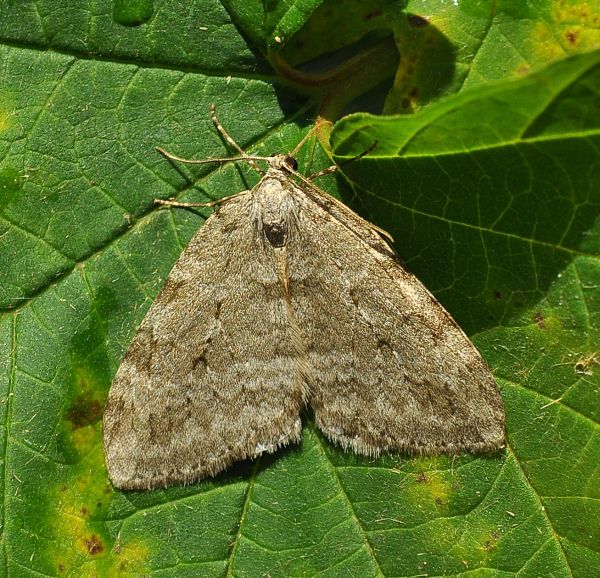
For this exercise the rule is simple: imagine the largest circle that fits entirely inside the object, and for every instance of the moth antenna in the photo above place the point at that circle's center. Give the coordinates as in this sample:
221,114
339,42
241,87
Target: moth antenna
297,148
334,168
244,157
173,203
236,146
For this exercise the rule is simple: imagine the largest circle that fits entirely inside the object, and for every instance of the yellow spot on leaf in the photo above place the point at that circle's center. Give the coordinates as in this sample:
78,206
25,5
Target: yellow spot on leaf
4,121
83,545
576,25
433,479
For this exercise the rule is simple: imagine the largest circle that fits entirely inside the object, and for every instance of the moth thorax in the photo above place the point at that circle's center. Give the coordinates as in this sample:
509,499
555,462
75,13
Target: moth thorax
276,210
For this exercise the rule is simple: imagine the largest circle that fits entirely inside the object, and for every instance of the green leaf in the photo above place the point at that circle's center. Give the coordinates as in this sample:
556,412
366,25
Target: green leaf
520,183
492,194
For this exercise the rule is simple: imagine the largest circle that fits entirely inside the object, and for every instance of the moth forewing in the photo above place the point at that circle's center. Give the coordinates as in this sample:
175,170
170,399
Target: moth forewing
286,298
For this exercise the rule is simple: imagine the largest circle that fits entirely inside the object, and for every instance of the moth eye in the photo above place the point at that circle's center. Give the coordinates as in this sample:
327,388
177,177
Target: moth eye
291,162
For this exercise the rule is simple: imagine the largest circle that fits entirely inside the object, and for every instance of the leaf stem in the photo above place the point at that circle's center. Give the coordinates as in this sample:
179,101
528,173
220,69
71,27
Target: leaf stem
335,88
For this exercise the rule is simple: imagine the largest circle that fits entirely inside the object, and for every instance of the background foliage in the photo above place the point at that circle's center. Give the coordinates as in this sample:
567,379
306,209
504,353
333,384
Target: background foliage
488,177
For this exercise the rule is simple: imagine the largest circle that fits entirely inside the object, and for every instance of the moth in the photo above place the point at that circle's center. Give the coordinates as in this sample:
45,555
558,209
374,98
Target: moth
286,299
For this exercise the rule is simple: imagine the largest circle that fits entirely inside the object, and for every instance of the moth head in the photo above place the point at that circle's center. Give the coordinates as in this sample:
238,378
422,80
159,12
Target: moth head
285,162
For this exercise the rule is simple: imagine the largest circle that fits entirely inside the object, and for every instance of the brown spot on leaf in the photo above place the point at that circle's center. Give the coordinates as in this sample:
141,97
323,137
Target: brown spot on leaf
94,545
422,478
497,294
571,36
84,511
85,410
491,543
414,92
539,320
